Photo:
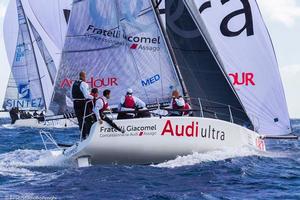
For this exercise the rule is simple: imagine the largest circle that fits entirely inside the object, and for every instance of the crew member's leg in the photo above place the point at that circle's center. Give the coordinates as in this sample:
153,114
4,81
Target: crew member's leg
79,113
89,121
111,123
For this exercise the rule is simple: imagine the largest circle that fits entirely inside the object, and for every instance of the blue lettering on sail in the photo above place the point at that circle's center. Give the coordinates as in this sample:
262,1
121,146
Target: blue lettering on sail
19,53
24,103
151,80
24,91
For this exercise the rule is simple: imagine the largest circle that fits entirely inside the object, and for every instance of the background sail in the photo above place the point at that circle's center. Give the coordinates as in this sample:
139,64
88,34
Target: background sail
119,44
203,76
24,89
241,43
47,21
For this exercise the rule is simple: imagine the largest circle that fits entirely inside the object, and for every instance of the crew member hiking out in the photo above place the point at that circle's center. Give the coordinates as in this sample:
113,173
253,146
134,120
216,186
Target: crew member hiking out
80,94
101,105
178,103
131,103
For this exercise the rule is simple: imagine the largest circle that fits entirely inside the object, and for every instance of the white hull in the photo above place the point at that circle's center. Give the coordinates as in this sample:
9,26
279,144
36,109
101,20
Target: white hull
34,123
155,140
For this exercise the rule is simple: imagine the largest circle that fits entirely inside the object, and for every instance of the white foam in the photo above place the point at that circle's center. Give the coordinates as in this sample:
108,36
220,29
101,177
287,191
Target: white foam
197,158
8,126
19,163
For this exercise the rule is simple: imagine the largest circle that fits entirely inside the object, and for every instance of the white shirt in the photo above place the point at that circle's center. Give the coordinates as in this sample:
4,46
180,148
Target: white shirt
138,102
85,89
99,105
180,102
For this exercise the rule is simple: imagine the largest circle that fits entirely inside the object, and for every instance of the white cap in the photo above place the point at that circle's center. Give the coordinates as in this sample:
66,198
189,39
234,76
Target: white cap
129,91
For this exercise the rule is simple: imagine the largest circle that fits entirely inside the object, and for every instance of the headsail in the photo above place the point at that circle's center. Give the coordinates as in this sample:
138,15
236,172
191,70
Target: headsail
24,89
202,74
120,45
241,43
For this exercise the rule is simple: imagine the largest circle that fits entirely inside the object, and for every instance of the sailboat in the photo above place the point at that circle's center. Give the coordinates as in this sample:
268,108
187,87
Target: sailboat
200,48
33,49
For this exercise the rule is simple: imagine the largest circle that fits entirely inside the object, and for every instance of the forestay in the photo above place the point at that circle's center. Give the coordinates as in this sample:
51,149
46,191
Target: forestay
24,88
119,44
238,36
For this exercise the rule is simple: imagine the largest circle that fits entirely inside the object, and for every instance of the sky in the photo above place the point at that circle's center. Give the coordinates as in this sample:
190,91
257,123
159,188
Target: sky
282,18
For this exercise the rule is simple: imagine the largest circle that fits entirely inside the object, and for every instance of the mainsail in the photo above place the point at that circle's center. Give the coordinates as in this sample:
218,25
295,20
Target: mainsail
120,45
24,89
205,80
241,43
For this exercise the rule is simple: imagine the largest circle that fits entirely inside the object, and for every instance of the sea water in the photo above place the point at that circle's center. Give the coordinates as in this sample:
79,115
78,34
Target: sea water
29,172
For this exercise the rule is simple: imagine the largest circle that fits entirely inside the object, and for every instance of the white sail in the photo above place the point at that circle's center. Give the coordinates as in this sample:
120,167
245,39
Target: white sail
11,31
49,20
239,38
119,44
47,24
24,88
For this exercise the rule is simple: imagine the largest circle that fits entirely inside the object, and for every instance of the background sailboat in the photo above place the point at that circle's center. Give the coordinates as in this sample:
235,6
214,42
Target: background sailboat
35,56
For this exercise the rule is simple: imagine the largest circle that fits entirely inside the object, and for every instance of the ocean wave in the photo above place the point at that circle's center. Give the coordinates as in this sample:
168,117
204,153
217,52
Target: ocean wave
19,163
214,156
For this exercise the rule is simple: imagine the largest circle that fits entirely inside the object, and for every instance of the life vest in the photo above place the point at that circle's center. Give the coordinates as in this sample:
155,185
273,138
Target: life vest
129,102
186,107
76,91
105,105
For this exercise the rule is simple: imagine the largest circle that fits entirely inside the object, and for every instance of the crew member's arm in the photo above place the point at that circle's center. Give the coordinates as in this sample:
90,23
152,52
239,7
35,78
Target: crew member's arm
180,102
97,107
84,87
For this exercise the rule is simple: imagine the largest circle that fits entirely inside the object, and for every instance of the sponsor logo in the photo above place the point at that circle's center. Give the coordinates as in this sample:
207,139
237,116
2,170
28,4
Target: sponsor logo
93,82
116,36
192,130
175,12
224,26
150,81
20,53
30,103
244,78
130,130
24,91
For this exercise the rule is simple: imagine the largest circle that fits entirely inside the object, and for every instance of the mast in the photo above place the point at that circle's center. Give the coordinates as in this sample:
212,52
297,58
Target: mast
170,50
34,55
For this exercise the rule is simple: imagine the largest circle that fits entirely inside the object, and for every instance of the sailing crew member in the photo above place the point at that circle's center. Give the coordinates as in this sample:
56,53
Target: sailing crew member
101,105
14,115
178,103
80,93
35,114
131,103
